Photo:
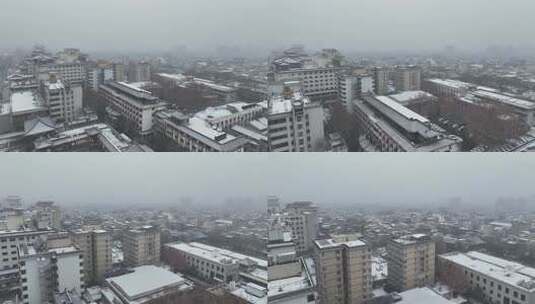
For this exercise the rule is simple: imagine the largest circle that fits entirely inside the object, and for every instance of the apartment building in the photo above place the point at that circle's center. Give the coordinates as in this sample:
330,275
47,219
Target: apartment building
45,272
141,246
499,280
380,79
407,78
353,86
10,242
63,99
302,220
411,262
295,124
96,247
47,215
290,278
136,105
343,270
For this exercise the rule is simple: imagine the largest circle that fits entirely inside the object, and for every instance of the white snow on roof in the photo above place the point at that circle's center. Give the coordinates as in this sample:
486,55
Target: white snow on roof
25,101
249,133
146,280
452,83
216,254
133,87
176,77
331,243
422,296
509,272
410,95
202,127
58,85
288,285
509,100
280,105
406,112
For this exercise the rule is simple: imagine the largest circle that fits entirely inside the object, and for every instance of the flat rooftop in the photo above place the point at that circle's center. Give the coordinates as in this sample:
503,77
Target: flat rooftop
280,105
400,109
407,97
145,280
452,83
422,296
216,254
512,273
505,99
26,102
339,241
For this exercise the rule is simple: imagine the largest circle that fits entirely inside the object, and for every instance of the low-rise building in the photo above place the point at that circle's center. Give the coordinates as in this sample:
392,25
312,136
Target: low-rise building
388,126
213,263
499,280
145,284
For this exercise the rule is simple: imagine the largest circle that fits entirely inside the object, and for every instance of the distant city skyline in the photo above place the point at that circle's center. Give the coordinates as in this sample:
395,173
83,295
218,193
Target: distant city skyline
419,179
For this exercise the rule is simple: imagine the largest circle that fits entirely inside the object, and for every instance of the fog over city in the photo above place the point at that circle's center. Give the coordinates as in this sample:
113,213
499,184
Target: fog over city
260,24
211,179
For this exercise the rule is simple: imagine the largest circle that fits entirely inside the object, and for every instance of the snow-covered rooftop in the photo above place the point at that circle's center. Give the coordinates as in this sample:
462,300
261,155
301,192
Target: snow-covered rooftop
404,111
280,105
422,296
408,96
144,281
506,99
216,254
452,83
509,272
25,101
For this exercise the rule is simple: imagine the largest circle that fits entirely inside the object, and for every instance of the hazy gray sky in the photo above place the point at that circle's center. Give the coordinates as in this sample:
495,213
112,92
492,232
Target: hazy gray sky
346,24
323,178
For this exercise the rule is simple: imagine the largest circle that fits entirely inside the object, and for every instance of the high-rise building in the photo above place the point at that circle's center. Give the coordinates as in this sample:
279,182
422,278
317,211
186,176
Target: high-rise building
141,246
11,219
380,79
302,220
273,205
288,275
295,124
47,215
44,272
64,99
343,270
411,262
119,72
351,87
407,78
10,242
139,72
96,247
